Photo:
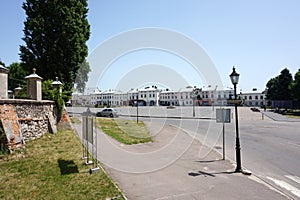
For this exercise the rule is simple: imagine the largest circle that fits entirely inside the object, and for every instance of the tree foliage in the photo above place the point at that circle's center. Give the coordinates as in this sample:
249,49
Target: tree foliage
278,88
2,63
55,35
82,76
295,86
16,75
272,90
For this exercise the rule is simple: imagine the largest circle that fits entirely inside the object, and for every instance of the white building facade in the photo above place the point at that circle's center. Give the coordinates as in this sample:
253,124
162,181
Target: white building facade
151,96
255,99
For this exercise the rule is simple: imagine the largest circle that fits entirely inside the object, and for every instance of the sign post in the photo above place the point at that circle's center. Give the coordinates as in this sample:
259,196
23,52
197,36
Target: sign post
223,116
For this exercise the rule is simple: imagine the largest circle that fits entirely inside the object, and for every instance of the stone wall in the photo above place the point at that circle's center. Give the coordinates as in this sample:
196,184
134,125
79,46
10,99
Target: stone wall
25,120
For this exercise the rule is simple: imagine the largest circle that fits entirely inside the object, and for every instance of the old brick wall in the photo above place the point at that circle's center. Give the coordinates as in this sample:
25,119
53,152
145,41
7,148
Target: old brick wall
25,120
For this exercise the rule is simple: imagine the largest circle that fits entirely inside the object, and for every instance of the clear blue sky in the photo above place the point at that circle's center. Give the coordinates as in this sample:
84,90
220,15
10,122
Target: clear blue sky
259,37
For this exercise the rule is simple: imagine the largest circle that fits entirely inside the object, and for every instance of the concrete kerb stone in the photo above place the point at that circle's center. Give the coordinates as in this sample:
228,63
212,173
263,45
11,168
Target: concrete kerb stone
170,117
278,117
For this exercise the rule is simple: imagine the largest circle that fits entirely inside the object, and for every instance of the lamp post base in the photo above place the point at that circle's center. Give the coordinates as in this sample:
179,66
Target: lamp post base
245,172
238,170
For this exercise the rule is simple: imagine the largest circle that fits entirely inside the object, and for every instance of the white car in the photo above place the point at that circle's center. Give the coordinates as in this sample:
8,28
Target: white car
107,112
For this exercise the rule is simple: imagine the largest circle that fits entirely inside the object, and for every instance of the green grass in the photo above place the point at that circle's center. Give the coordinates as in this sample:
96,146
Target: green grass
125,131
293,114
51,168
75,120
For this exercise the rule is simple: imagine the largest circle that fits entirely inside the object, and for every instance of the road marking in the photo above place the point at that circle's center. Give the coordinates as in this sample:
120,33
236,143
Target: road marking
294,178
286,186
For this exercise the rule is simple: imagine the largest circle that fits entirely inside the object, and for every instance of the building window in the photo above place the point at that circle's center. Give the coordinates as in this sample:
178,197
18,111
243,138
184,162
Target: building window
261,97
256,97
250,97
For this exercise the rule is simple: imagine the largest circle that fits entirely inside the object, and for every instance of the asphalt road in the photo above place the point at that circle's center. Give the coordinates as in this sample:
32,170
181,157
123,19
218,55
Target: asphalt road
270,149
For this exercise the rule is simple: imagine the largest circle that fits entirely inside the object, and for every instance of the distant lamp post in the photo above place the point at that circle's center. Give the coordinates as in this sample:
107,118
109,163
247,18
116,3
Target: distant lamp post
193,97
234,77
214,93
137,107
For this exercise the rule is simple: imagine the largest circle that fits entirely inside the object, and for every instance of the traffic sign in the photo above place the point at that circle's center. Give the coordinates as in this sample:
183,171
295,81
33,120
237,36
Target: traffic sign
223,115
235,101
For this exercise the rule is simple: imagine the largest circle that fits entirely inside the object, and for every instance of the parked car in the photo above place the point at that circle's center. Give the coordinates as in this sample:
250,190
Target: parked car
255,109
107,112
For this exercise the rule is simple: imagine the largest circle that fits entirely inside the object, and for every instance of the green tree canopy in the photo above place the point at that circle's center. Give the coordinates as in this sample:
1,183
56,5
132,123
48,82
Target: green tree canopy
82,76
55,35
272,90
16,75
278,88
2,63
295,86
284,81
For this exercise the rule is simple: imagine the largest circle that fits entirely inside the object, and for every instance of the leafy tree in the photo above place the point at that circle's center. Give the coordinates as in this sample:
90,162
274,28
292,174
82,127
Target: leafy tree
284,81
55,35
295,86
48,90
272,90
2,63
51,93
278,88
82,76
16,75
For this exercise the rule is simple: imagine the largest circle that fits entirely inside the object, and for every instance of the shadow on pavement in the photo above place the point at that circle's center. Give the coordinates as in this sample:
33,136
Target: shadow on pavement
205,174
208,161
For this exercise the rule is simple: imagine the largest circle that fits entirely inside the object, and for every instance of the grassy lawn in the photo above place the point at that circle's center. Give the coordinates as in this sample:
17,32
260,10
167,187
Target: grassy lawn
125,131
294,114
51,168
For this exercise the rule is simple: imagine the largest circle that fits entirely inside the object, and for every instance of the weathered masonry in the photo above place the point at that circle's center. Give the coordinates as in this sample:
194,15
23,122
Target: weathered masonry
25,120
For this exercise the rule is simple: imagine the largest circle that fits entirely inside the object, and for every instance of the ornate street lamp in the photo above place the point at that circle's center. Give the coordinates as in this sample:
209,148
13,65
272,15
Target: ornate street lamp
234,77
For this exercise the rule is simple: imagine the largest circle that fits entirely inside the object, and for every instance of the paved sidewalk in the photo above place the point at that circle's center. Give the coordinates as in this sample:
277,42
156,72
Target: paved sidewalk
279,117
170,168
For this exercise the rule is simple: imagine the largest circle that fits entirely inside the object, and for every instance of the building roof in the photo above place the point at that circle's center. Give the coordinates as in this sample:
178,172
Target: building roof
187,89
33,75
132,91
3,69
167,91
